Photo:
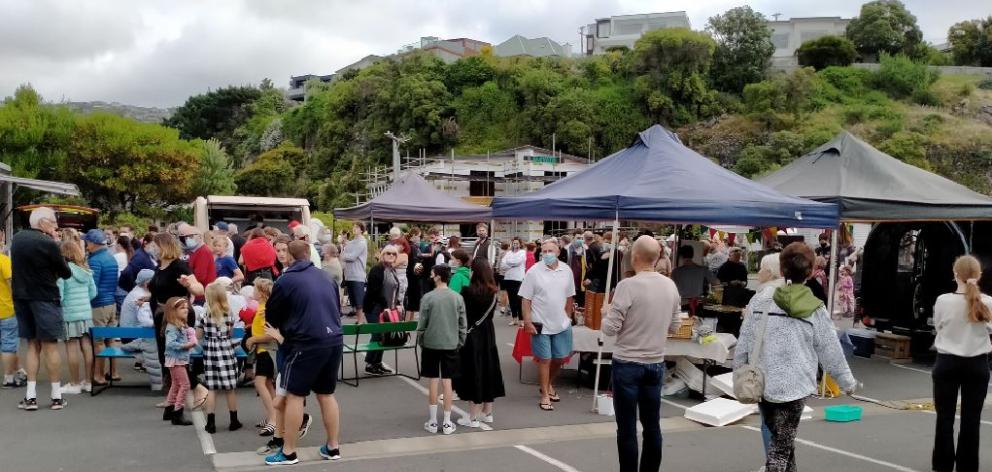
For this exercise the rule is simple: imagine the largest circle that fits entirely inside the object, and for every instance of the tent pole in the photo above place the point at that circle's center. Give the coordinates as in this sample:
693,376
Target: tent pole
606,303
831,295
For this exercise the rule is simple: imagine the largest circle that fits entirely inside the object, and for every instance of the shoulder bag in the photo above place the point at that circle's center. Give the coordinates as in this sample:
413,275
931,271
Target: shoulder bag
485,317
749,380
393,315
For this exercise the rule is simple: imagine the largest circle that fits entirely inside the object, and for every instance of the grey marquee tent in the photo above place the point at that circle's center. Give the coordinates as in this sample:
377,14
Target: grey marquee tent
871,186
411,198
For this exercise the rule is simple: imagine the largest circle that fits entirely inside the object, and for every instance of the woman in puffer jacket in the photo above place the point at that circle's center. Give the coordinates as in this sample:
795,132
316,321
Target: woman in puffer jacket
77,291
136,312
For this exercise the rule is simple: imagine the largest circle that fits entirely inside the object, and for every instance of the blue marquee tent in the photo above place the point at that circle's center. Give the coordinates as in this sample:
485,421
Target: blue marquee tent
659,179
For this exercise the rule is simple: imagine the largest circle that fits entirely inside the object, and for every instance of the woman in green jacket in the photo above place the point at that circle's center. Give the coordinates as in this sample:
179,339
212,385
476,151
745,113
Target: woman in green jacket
77,291
461,276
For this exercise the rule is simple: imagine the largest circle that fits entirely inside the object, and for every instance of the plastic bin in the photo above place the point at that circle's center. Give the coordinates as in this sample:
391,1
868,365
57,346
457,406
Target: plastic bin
842,413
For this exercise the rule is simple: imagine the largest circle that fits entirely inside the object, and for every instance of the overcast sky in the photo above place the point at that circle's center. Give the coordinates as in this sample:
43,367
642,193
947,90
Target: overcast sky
157,53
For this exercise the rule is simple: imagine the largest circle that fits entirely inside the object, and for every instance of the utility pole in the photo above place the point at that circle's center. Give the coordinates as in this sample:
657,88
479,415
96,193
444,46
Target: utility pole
397,140
776,15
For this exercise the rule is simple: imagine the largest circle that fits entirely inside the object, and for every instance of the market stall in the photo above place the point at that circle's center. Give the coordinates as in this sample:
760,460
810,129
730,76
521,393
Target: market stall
658,179
411,198
870,186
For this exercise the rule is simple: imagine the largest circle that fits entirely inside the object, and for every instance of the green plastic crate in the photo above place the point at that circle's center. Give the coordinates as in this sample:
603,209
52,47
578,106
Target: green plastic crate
842,413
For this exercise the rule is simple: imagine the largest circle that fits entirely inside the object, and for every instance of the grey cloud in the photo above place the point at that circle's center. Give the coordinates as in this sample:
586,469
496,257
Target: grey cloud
65,30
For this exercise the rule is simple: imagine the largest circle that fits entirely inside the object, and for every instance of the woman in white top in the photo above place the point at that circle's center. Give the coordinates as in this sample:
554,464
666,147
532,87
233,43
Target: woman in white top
512,265
963,320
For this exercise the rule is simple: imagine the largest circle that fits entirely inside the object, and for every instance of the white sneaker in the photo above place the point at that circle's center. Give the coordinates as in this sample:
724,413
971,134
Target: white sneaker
86,387
464,421
70,389
430,427
486,418
448,428
512,323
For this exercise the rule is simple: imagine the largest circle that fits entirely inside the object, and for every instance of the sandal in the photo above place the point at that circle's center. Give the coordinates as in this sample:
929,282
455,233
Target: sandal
552,396
546,406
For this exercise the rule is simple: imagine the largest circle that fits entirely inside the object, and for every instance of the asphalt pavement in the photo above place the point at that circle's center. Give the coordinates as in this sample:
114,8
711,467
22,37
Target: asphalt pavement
120,430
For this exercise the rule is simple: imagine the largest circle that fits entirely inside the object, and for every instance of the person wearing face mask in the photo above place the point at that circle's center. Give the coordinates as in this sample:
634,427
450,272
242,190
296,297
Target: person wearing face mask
143,258
201,259
548,291
460,275
513,274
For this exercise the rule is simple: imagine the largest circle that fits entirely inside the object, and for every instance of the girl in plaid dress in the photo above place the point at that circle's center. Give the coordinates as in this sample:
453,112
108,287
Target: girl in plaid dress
220,365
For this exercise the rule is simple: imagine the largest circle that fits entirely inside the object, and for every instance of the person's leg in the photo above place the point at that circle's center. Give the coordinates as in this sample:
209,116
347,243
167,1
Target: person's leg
974,388
53,360
330,415
33,360
232,409
449,396
293,415
649,409
72,351
945,398
561,348
180,378
9,342
374,358
173,392
265,396
87,347
432,394
783,421
544,377
626,377
513,293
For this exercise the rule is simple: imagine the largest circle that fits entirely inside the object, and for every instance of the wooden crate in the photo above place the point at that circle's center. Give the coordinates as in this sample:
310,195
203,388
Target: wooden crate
593,309
892,346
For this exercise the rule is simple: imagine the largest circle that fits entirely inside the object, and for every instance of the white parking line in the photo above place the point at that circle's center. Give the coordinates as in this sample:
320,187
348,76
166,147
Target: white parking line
676,405
988,423
914,369
200,423
842,452
546,458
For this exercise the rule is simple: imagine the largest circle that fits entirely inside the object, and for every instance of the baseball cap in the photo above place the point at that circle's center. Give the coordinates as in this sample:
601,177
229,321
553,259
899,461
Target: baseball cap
95,236
221,226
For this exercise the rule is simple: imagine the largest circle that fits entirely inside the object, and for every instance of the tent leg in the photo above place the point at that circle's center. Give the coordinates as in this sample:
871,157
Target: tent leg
606,302
831,295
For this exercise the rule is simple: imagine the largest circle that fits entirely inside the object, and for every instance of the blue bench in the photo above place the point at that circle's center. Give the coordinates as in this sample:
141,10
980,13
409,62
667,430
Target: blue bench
116,352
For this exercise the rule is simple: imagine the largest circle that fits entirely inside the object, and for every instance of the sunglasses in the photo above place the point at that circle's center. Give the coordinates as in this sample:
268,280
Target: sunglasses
389,253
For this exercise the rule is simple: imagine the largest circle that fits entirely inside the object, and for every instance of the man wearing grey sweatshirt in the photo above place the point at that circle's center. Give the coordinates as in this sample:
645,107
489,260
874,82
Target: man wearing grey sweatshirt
645,309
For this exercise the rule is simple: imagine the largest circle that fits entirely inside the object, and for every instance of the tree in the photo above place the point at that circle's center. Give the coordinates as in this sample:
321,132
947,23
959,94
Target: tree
743,48
827,51
215,114
884,26
118,162
971,42
215,176
273,173
33,135
672,65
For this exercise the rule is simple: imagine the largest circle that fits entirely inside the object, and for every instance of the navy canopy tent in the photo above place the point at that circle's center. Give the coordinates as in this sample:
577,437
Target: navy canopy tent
659,179
411,198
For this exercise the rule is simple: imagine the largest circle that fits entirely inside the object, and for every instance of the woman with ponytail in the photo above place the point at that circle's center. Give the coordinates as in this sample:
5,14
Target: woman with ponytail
963,320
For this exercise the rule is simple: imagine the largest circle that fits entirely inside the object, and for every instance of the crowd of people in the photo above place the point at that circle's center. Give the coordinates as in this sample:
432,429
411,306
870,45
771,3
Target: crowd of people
289,293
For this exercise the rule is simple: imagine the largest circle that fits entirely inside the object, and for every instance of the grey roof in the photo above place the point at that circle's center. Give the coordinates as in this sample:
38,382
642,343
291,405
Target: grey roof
521,46
412,198
872,186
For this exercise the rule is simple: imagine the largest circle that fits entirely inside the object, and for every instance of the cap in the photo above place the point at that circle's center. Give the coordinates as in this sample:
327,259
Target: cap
144,275
293,224
221,226
95,236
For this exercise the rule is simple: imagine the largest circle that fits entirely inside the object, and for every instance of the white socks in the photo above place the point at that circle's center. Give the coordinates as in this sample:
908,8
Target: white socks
56,390
32,390
433,414
447,416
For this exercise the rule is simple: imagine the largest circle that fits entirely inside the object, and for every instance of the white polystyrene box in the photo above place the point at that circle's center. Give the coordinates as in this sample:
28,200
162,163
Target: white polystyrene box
725,383
719,412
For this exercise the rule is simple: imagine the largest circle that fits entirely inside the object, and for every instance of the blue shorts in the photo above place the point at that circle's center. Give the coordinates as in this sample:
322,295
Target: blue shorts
552,346
8,335
356,293
311,369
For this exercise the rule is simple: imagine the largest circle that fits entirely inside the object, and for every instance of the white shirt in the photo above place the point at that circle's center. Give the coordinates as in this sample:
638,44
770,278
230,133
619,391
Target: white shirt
956,334
514,264
548,290
121,258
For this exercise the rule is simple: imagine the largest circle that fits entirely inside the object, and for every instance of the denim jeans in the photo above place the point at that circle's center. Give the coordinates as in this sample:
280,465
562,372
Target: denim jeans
637,394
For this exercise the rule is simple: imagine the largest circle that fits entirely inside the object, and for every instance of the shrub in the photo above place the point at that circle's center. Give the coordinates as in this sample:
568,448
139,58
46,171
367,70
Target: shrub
850,80
900,77
827,51
985,84
926,97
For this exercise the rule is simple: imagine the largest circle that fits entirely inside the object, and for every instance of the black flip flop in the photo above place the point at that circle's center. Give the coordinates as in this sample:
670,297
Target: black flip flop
546,406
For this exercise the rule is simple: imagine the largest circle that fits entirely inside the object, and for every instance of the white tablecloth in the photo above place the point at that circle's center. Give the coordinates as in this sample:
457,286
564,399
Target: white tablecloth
584,340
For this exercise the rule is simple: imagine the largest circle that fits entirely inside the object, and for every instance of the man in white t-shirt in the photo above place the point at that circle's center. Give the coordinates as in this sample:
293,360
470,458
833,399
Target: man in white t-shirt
547,292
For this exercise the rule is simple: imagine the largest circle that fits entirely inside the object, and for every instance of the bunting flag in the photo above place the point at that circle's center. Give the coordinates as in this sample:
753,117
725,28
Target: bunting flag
731,238
712,233
721,235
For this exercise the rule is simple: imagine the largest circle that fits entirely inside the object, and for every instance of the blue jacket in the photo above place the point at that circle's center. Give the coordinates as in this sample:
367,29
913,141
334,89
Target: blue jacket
104,268
77,291
304,306
175,344
140,260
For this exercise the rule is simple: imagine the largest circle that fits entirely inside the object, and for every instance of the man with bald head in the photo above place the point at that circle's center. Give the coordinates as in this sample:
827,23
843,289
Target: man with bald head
645,309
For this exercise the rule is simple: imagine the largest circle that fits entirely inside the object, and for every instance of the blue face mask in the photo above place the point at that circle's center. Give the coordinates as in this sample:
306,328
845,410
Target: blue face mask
549,259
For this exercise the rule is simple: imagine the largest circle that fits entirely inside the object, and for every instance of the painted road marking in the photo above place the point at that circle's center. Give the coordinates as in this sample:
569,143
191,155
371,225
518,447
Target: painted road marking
842,452
546,458
989,423
200,423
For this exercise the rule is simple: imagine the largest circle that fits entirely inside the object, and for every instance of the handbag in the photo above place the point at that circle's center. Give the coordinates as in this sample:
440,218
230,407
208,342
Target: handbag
749,380
393,315
492,307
